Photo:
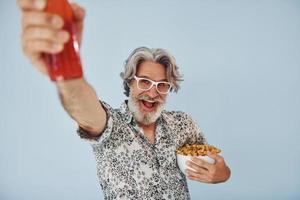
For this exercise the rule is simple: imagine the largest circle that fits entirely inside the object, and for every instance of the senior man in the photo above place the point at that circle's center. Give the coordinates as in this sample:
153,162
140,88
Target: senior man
135,144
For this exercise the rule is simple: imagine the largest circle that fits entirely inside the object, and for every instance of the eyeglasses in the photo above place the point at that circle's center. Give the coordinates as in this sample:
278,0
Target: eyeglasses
145,84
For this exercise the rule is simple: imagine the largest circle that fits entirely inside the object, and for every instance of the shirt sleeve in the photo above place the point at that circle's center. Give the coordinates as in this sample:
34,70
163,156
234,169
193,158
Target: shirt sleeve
86,136
195,134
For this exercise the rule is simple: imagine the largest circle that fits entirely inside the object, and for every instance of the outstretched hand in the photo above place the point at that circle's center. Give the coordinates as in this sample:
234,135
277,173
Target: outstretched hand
42,32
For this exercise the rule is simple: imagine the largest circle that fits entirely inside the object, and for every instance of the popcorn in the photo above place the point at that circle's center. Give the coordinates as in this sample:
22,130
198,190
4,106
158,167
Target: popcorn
197,149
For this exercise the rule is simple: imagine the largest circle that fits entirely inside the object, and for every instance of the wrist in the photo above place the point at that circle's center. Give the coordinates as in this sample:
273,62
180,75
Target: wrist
70,85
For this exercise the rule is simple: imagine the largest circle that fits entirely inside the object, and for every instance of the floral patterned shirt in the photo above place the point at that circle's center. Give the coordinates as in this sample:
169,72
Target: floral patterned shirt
130,167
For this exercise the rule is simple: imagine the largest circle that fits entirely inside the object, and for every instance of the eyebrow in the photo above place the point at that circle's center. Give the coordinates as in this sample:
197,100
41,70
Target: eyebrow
151,79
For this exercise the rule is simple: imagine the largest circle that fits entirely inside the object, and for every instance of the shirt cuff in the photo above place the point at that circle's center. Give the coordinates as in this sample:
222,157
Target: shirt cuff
87,136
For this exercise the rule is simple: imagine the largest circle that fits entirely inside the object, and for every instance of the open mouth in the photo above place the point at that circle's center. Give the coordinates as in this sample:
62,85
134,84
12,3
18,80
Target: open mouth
148,105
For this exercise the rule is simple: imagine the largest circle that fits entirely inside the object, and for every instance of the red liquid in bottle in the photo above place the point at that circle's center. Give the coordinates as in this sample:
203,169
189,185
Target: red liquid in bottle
66,64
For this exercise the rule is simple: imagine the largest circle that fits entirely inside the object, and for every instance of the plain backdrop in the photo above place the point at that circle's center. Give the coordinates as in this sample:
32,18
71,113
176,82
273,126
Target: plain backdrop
241,65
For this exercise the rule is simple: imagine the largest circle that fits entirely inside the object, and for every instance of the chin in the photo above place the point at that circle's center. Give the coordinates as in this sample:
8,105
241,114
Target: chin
144,116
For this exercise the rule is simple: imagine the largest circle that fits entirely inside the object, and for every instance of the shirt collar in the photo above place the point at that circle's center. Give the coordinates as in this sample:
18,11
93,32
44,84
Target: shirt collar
125,111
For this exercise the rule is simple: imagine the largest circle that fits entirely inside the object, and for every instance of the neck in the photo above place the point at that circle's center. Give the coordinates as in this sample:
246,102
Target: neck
149,127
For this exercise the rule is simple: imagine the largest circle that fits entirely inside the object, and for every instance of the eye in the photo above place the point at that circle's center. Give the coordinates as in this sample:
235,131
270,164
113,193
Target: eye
144,84
163,85
145,81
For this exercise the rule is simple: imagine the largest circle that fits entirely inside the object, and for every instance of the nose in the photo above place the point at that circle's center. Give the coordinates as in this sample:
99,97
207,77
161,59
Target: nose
152,93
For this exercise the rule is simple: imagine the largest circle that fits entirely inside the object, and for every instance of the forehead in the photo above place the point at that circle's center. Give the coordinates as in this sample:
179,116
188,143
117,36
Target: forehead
152,70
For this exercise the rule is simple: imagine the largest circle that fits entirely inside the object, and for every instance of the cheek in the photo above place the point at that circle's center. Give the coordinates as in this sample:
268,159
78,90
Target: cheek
135,92
163,97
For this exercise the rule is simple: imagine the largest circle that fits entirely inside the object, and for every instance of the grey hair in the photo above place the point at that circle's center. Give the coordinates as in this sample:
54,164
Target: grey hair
143,54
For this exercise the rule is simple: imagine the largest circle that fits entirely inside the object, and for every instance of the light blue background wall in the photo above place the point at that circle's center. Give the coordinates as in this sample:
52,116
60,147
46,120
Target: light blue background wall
241,61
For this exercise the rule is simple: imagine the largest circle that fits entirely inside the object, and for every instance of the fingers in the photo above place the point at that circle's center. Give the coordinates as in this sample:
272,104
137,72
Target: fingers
33,48
196,167
201,163
197,176
36,33
42,33
31,4
215,156
206,172
37,18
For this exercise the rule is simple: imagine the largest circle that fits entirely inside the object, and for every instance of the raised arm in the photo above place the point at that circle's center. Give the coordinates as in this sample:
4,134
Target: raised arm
42,33
82,104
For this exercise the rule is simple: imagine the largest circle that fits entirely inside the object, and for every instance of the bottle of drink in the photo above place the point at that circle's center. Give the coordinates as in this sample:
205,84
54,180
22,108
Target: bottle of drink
66,64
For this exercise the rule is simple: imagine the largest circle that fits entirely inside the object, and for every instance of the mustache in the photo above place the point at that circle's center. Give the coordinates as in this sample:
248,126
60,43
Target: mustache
147,98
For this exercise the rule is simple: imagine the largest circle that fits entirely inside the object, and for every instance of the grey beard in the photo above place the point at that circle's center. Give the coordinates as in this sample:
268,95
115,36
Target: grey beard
143,118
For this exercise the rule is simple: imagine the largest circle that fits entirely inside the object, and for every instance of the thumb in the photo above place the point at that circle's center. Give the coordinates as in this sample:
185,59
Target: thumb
79,14
214,156
78,11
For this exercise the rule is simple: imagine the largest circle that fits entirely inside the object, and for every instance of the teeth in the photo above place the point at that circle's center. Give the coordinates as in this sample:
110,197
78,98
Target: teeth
149,101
